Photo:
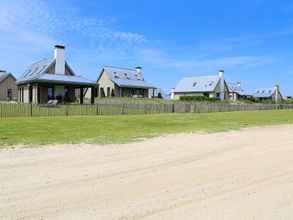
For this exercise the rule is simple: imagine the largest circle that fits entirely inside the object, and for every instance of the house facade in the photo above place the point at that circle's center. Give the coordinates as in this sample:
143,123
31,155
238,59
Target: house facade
236,92
53,79
8,88
209,86
123,82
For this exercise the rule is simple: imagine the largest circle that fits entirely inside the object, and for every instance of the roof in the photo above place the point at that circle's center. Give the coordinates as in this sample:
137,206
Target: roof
198,84
64,79
4,75
263,93
236,88
36,69
125,77
37,72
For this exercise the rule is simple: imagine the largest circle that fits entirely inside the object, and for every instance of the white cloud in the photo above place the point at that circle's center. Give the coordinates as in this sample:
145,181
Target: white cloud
162,59
29,28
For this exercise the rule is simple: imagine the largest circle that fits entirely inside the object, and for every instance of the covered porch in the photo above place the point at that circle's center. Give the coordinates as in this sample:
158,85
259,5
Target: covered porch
43,92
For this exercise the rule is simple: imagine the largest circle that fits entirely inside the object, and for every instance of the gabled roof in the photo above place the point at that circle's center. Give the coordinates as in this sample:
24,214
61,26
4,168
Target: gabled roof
37,72
4,75
125,77
236,88
264,93
198,84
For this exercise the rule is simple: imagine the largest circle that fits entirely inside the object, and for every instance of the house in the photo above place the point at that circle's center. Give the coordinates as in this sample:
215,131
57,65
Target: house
213,86
123,82
236,92
273,94
8,88
53,79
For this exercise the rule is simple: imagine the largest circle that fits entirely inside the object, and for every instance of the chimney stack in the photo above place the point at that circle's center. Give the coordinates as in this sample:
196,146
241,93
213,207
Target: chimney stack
222,85
172,93
139,72
276,93
59,55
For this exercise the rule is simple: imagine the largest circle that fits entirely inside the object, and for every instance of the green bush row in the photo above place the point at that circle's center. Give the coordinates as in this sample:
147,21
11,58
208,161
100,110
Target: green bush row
197,99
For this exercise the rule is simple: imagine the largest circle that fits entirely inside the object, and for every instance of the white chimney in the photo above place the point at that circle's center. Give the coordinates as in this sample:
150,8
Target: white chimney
59,55
222,85
138,72
276,93
172,93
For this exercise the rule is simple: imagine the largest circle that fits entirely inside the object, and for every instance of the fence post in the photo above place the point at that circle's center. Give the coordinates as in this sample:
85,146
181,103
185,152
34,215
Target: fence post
1,110
173,107
66,110
97,109
31,110
122,109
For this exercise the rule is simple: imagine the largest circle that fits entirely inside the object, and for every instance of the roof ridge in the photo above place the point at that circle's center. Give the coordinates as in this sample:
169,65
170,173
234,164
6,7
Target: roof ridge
40,61
201,76
116,67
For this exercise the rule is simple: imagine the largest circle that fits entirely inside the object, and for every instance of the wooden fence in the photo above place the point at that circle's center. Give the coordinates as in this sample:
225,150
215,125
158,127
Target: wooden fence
31,110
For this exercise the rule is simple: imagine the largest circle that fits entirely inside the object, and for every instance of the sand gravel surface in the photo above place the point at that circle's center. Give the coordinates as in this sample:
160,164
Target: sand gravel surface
243,175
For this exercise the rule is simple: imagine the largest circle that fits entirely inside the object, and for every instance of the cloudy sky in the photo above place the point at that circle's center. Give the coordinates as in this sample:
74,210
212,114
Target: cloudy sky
251,40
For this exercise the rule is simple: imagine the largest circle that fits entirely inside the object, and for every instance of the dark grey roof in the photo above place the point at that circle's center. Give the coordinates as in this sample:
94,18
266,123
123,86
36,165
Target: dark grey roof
65,79
263,93
4,75
198,84
37,72
36,69
124,77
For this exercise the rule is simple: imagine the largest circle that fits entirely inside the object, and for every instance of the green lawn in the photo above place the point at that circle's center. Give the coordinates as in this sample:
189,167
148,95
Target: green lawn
125,128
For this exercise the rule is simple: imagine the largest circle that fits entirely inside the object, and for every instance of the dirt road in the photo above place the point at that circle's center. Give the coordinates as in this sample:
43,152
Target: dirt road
236,175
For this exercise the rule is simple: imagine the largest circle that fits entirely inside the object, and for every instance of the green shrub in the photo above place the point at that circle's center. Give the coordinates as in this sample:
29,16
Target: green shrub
197,99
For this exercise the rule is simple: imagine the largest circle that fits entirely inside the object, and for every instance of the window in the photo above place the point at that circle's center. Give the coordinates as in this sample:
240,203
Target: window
51,93
9,94
116,75
194,84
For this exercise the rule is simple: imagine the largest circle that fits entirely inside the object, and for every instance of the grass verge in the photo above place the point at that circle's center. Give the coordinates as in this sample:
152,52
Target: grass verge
125,128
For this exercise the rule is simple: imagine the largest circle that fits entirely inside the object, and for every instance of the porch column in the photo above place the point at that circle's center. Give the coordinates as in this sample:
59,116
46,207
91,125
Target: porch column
30,93
93,95
81,95
120,92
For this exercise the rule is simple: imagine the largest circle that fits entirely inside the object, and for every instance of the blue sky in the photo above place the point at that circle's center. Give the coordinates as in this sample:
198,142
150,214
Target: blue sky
251,40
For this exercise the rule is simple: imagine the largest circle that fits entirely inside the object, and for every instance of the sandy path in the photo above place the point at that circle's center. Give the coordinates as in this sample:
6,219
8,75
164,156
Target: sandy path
236,175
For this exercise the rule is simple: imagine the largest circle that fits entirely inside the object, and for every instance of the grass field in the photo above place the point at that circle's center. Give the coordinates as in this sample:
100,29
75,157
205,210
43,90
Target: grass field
125,128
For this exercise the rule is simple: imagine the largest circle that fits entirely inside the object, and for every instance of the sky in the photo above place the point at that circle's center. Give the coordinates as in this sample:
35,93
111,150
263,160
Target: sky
251,40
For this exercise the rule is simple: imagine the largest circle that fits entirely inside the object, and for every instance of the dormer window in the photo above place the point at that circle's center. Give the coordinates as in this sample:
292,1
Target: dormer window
194,84
125,74
116,75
